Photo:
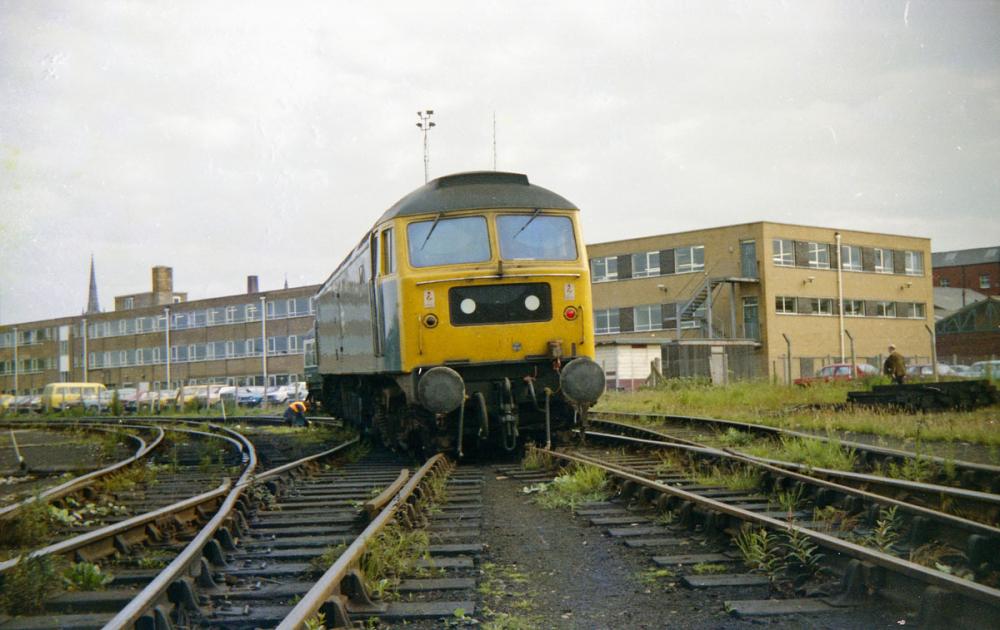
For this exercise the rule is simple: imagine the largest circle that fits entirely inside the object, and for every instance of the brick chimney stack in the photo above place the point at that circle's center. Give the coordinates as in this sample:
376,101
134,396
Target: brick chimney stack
252,285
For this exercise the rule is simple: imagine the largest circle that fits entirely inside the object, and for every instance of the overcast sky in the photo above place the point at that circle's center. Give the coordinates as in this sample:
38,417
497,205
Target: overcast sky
234,138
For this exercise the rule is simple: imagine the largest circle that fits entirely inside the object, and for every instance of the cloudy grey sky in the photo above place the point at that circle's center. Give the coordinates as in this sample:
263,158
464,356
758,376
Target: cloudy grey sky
227,139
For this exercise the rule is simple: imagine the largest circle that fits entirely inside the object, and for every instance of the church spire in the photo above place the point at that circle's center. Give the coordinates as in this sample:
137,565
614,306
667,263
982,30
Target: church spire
92,305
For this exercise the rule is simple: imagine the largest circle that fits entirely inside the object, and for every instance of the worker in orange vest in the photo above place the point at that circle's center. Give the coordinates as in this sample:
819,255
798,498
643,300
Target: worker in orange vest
295,414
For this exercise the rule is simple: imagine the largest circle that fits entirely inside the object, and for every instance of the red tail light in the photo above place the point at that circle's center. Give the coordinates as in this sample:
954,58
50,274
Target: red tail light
570,313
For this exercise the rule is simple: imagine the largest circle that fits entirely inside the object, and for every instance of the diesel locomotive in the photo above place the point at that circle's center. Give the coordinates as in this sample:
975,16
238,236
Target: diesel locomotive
462,320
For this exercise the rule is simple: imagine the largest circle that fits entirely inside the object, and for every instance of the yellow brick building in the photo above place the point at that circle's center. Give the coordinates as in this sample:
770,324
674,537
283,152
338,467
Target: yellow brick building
741,294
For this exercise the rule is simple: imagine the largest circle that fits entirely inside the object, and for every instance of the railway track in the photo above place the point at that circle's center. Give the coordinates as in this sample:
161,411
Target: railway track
864,458
873,543
243,553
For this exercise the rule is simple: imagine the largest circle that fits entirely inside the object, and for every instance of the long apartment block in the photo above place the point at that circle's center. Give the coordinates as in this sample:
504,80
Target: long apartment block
216,340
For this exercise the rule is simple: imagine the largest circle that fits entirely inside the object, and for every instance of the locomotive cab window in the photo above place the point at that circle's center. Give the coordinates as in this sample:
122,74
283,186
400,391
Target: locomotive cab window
448,241
536,237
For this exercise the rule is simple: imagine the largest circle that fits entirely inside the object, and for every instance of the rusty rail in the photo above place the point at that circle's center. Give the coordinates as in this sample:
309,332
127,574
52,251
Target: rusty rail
977,592
343,574
77,483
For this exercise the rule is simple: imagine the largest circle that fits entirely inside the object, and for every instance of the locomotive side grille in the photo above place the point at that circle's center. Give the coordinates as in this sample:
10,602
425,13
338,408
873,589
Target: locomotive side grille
500,304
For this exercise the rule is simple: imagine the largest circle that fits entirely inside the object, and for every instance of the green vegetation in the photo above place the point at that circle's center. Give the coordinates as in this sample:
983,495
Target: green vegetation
505,586
706,568
835,519
26,586
760,551
886,533
781,406
127,479
656,577
391,555
580,484
326,559
813,453
29,528
535,459
738,478
789,500
85,576
316,622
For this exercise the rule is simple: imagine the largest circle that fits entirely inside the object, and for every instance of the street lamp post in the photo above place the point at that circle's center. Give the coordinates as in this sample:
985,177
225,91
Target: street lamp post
16,405
263,343
166,313
425,125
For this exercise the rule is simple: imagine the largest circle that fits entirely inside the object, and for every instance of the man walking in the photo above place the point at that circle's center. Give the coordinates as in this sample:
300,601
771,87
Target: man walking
894,366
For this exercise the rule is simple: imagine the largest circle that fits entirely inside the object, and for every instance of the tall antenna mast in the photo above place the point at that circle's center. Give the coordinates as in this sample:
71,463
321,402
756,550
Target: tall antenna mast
425,125
494,140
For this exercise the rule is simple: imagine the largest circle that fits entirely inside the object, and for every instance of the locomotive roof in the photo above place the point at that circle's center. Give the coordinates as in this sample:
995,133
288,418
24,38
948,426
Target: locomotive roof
476,189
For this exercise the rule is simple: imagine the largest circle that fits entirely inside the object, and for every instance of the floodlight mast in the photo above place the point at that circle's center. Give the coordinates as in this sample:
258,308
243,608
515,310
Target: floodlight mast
425,125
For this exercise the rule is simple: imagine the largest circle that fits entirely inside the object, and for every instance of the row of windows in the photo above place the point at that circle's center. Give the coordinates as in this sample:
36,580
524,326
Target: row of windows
235,314
27,337
644,317
211,351
814,255
984,281
28,366
786,305
646,264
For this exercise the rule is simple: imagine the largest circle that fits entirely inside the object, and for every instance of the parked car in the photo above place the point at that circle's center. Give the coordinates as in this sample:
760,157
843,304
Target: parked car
838,372
249,396
98,403
203,395
927,369
985,369
127,397
287,393
57,396
960,370
5,400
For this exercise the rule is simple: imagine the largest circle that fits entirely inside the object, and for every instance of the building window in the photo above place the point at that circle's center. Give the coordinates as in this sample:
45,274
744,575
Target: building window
945,282
251,310
648,317
645,264
885,309
293,343
819,256
784,305
123,357
854,308
690,258
984,281
291,307
821,306
606,321
156,355
128,303
883,260
230,314
270,309
919,310
230,348
602,269
914,263
850,258
783,253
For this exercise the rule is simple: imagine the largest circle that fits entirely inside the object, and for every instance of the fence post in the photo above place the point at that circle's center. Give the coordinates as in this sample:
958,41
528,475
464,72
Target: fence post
788,360
934,367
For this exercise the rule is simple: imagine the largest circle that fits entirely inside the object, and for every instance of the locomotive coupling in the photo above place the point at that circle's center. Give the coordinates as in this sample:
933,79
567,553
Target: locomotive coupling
441,390
582,381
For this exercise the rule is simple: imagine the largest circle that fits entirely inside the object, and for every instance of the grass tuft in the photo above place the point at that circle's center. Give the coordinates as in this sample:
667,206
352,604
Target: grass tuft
580,484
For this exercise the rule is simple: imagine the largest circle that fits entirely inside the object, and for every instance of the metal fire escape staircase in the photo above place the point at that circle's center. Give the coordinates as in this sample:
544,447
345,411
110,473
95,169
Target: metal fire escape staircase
703,296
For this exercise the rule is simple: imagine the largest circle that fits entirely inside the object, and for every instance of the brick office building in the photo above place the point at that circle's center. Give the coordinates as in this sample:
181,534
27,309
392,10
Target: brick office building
977,269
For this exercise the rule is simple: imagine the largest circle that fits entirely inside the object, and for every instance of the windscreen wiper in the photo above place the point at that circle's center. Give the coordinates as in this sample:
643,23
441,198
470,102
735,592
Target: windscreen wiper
534,215
433,225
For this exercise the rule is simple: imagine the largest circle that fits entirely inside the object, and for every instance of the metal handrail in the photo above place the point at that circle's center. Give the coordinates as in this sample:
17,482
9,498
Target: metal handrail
191,553
330,582
76,483
969,589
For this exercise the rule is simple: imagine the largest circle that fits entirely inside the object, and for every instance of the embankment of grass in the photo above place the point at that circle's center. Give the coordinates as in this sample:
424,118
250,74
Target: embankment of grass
790,408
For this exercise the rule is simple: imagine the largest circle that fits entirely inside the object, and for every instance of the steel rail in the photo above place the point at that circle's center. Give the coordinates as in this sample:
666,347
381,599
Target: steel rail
330,583
140,520
972,527
983,500
191,553
77,483
373,506
986,469
972,590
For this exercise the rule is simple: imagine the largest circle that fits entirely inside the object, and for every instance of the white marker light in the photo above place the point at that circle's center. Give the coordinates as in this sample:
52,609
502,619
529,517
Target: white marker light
532,302
468,306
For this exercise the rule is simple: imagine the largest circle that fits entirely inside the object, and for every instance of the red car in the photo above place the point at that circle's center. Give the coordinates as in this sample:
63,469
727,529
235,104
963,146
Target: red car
838,372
